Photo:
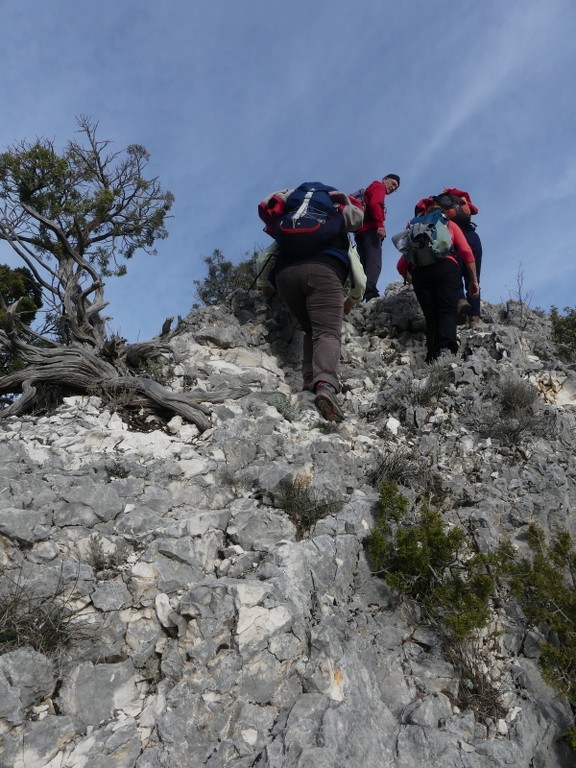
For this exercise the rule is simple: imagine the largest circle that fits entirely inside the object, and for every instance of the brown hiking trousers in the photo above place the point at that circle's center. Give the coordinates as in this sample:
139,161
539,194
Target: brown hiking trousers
313,293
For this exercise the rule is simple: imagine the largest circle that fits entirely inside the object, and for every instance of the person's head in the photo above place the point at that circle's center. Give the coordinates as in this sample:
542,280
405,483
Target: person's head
391,181
423,206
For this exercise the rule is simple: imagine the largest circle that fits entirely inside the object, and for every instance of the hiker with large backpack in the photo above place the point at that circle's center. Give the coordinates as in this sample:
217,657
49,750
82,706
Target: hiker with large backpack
370,236
459,208
430,247
310,264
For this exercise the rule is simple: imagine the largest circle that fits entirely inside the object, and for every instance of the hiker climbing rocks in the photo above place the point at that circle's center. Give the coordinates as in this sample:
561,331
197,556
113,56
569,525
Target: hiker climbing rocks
373,231
430,246
459,208
312,264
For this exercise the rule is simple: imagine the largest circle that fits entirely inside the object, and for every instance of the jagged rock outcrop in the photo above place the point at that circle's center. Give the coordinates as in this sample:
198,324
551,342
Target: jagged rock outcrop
211,628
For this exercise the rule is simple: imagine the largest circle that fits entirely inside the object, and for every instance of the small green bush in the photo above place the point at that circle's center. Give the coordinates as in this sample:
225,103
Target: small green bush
564,332
430,563
570,737
435,565
223,277
438,567
544,583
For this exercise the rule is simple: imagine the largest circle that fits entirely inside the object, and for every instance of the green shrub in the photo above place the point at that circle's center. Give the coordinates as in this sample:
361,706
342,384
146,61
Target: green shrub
223,277
435,565
17,285
570,737
430,563
564,332
544,583
391,502
438,567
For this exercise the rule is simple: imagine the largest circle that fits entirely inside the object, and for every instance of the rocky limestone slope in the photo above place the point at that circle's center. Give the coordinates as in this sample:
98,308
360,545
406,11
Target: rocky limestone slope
213,629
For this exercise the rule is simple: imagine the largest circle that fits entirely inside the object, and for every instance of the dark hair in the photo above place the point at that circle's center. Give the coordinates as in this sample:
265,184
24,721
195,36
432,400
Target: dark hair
393,176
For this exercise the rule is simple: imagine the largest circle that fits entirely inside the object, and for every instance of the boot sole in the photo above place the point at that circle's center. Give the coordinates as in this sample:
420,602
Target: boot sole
328,408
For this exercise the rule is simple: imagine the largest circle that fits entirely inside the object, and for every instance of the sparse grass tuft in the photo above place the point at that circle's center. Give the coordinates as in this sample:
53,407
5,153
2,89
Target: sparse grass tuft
402,467
286,407
304,506
327,427
439,376
518,411
46,623
103,561
517,396
477,689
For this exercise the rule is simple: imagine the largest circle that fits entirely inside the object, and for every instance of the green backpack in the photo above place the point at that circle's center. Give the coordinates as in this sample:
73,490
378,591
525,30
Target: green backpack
426,240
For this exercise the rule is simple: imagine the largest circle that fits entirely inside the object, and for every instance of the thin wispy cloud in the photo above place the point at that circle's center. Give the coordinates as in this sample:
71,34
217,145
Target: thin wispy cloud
494,64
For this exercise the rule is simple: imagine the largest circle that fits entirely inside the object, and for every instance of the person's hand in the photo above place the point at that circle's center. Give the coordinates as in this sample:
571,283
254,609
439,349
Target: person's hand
348,305
381,232
474,288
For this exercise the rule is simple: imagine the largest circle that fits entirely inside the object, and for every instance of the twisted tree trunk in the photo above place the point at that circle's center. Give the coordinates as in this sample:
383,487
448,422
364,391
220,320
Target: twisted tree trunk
80,369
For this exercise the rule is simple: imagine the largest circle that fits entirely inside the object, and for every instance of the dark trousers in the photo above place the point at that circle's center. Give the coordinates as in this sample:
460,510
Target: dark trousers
473,241
313,294
369,246
437,289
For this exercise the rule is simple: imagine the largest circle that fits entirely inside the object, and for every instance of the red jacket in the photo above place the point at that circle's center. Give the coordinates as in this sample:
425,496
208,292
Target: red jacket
375,209
458,241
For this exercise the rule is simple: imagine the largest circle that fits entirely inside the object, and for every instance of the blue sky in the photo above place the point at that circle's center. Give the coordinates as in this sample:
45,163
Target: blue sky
236,99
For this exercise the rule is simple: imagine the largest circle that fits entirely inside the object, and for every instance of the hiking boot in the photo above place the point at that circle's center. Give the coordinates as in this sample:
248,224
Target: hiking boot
326,403
474,320
307,382
464,309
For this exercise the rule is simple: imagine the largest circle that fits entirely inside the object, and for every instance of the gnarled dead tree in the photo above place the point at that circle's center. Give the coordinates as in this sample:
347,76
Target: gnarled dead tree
74,218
